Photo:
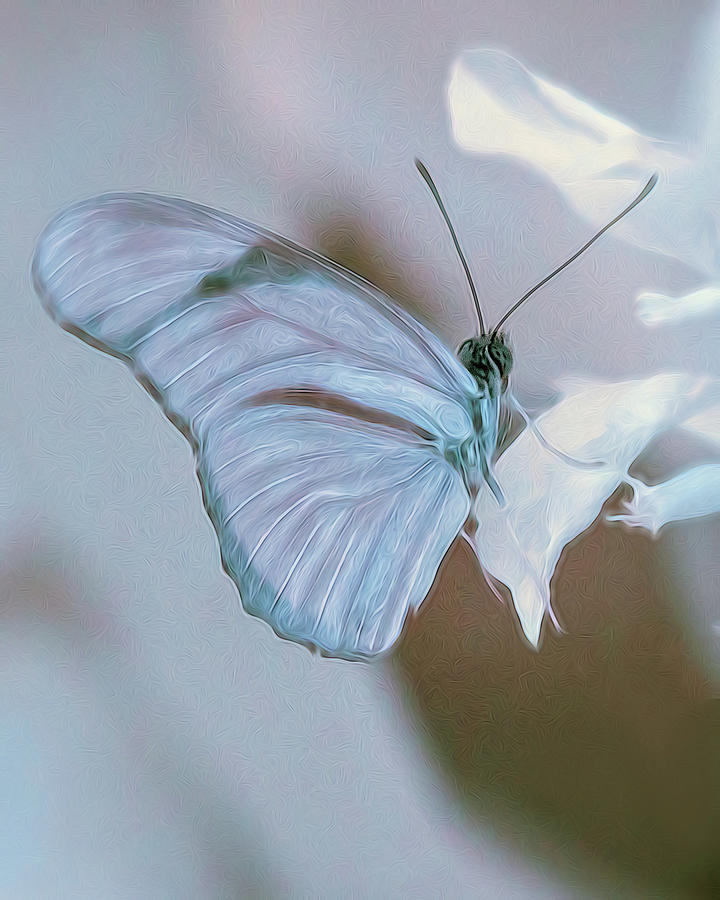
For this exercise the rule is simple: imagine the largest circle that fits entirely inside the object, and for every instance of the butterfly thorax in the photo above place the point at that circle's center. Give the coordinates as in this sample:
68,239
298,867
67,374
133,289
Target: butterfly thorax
489,360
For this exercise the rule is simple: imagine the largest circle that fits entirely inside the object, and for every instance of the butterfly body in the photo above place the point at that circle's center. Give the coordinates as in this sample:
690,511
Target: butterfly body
488,358
474,456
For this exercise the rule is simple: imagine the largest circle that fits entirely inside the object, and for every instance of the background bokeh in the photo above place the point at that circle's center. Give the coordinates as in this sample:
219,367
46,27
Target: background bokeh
156,741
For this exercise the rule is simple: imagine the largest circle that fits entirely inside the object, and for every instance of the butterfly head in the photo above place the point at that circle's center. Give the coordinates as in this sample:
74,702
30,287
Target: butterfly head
488,358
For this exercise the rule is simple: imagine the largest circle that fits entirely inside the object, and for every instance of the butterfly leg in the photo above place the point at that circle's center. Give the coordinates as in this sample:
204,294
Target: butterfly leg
467,535
570,460
493,484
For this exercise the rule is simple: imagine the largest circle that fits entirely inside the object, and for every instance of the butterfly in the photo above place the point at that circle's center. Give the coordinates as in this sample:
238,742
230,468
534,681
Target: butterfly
340,445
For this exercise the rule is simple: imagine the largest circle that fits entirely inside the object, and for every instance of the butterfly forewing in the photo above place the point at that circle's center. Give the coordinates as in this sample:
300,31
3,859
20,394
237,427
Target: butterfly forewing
320,413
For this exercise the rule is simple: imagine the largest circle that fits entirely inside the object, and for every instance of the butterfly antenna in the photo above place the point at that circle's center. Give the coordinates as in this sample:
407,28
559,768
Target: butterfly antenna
641,196
434,191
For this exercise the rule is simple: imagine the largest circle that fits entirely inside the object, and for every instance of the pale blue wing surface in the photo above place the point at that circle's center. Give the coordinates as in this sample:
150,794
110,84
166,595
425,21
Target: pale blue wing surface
332,528
320,413
119,267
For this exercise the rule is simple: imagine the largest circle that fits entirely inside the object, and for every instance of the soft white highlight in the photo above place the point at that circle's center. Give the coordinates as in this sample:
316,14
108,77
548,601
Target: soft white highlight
497,106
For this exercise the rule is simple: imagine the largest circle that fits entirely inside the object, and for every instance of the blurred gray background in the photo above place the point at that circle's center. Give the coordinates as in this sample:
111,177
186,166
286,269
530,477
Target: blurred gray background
156,741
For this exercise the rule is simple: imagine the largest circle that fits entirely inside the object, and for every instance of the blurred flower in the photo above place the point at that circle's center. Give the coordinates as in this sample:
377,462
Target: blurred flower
598,429
598,162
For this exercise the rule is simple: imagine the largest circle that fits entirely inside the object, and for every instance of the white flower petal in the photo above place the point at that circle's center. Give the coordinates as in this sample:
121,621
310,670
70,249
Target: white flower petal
549,501
599,162
693,493
658,309
706,423
613,421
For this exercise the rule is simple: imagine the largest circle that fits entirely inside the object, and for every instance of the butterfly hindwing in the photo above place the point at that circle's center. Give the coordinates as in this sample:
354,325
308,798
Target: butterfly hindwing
332,527
319,412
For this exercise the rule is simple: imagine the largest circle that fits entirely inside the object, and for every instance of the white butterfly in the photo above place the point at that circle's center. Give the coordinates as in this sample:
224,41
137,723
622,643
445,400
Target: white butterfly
341,447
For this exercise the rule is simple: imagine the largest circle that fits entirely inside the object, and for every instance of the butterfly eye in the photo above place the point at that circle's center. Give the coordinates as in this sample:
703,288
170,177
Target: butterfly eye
501,354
